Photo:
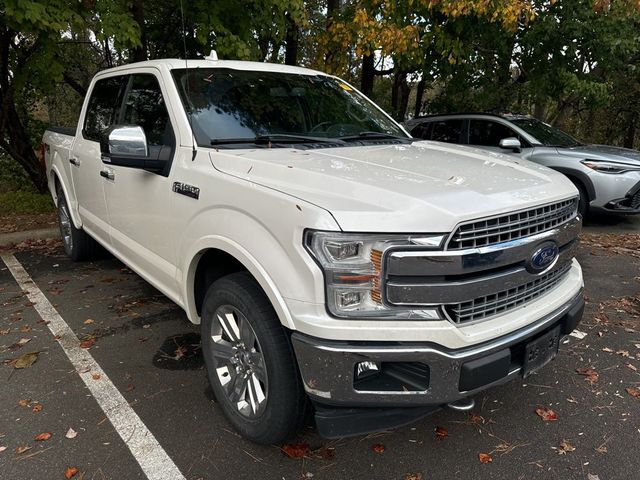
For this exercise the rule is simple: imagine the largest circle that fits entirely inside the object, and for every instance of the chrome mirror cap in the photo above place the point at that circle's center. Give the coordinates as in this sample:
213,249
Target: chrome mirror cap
129,141
511,143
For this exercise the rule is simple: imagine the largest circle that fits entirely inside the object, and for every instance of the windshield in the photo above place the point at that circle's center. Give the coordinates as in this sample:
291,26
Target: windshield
545,134
229,106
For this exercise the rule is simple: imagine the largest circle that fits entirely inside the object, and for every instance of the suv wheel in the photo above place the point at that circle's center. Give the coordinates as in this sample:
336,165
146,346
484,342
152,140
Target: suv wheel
250,361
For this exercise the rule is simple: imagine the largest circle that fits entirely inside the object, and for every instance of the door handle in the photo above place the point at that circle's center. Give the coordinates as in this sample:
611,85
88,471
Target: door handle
107,174
74,161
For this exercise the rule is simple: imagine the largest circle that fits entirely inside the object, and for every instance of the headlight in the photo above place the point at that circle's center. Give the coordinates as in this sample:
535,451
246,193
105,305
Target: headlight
352,266
609,167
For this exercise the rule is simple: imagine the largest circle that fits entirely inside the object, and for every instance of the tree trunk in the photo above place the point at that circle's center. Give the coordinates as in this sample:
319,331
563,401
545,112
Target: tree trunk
292,42
630,137
333,8
368,74
400,95
419,96
139,54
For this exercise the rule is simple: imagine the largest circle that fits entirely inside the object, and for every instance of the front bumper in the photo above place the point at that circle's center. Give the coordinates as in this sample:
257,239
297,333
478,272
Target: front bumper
418,374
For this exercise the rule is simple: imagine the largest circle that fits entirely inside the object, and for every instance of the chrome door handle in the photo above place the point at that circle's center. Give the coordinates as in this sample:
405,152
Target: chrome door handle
107,174
74,161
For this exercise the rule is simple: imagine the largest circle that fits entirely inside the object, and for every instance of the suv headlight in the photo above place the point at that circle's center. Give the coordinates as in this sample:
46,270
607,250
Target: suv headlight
352,266
610,167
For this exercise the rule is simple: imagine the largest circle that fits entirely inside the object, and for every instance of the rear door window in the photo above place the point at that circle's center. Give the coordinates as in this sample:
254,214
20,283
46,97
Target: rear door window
449,131
489,133
103,107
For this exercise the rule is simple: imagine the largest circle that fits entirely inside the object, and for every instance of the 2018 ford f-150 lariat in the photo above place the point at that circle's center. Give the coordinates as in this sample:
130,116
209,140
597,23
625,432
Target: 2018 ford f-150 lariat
332,260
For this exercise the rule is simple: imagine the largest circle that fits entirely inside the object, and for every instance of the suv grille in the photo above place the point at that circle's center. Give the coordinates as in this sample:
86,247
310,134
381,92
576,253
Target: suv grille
484,307
512,226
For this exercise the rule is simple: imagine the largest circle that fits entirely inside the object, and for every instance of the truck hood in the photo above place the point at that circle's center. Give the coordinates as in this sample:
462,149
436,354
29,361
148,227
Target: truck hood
424,187
603,152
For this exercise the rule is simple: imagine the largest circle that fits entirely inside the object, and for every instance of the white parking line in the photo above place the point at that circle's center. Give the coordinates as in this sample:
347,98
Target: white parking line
144,447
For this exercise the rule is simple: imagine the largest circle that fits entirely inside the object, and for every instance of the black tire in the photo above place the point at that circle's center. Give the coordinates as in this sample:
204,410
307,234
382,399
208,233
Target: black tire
583,202
284,408
78,245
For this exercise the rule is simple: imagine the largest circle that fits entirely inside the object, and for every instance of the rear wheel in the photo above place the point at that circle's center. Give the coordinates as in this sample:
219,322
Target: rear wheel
76,242
250,361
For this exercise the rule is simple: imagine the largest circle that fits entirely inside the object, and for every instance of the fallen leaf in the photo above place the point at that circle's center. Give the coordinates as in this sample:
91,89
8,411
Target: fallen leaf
5,331
37,408
607,349
146,325
24,402
71,433
2,449
476,418
88,343
578,334
296,450
441,433
70,472
413,476
546,414
378,448
602,449
88,321
634,392
25,329
143,339
130,387
632,367
624,353
41,437
22,449
485,458
327,452
565,447
26,360
592,477
589,374
23,341
95,376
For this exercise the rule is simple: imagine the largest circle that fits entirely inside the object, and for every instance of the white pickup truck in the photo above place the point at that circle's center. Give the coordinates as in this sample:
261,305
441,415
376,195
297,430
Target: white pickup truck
332,260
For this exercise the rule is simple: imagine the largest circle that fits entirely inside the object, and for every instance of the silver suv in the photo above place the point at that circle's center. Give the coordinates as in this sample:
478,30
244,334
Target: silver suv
607,177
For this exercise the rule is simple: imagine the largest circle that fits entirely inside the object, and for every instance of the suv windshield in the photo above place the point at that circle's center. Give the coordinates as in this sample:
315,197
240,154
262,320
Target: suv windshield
238,106
545,134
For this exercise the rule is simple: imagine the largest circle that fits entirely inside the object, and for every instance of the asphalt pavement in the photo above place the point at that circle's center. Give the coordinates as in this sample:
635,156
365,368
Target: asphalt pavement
149,352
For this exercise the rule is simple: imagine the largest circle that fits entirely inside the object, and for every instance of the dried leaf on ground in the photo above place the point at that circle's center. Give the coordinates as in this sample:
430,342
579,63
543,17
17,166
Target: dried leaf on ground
2,449
26,360
71,433
589,374
485,458
441,433
95,376
23,448
592,477
5,331
130,387
88,321
565,447
326,453
24,402
41,437
88,343
546,414
378,448
25,329
71,472
37,408
296,450
634,392
413,476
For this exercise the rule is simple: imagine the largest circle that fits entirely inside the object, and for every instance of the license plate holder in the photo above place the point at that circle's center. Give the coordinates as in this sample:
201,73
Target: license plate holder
541,351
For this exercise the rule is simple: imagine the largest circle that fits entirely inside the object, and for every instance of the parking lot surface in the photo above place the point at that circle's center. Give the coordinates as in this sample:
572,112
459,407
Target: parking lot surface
149,352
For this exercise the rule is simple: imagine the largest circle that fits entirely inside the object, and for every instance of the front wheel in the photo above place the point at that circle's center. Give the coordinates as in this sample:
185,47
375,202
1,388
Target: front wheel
250,361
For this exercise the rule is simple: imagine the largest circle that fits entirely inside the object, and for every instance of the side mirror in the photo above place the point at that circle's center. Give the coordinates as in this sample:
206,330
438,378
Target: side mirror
128,148
128,141
510,143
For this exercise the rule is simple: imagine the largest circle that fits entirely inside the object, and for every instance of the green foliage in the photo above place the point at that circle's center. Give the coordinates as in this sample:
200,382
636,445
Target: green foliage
25,202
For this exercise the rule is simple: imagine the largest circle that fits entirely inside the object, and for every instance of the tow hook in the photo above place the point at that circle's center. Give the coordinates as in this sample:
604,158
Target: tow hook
462,405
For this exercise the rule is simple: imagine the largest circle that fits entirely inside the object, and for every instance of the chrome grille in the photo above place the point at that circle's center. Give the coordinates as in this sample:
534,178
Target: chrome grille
490,305
512,226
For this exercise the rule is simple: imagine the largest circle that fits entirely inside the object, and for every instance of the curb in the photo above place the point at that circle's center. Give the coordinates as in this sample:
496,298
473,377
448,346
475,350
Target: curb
13,238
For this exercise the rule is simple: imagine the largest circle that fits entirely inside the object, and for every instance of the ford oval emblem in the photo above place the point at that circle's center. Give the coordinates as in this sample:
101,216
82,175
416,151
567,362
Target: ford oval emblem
544,257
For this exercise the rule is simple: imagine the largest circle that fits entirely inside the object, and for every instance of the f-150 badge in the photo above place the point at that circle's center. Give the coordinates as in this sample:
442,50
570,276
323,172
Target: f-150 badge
186,189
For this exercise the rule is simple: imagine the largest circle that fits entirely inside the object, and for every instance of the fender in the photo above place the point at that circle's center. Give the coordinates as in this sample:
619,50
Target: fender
71,201
245,258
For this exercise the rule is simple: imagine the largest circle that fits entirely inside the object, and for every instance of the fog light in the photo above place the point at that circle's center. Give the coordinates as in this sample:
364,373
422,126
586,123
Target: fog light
349,299
366,369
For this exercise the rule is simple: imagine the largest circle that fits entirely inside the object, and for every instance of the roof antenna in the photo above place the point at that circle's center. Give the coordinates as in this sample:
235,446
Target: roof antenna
186,66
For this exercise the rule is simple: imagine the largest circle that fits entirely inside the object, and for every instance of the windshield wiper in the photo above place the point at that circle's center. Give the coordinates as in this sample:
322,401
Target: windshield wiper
374,135
275,138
